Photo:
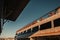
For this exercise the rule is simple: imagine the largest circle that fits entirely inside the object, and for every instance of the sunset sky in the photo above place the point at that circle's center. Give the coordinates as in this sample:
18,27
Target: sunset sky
34,10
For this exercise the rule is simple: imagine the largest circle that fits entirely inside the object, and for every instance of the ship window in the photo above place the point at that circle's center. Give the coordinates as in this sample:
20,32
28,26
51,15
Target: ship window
57,22
21,33
45,26
29,31
24,32
35,29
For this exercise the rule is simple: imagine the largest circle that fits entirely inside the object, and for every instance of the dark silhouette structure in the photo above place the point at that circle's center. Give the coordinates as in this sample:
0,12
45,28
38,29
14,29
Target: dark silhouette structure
11,9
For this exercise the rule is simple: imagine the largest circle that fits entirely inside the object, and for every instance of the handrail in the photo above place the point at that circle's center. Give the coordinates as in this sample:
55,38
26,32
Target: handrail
35,21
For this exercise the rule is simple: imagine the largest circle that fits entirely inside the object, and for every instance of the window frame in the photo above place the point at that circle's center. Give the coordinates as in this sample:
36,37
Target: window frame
46,25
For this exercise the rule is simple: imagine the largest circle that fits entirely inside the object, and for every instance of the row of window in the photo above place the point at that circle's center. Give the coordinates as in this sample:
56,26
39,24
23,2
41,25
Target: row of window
43,26
48,25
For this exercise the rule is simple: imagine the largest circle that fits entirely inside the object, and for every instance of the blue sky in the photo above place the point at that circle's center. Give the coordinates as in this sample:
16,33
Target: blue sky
34,10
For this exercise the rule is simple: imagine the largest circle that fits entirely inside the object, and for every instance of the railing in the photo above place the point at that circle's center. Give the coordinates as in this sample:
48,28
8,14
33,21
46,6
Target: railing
51,13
